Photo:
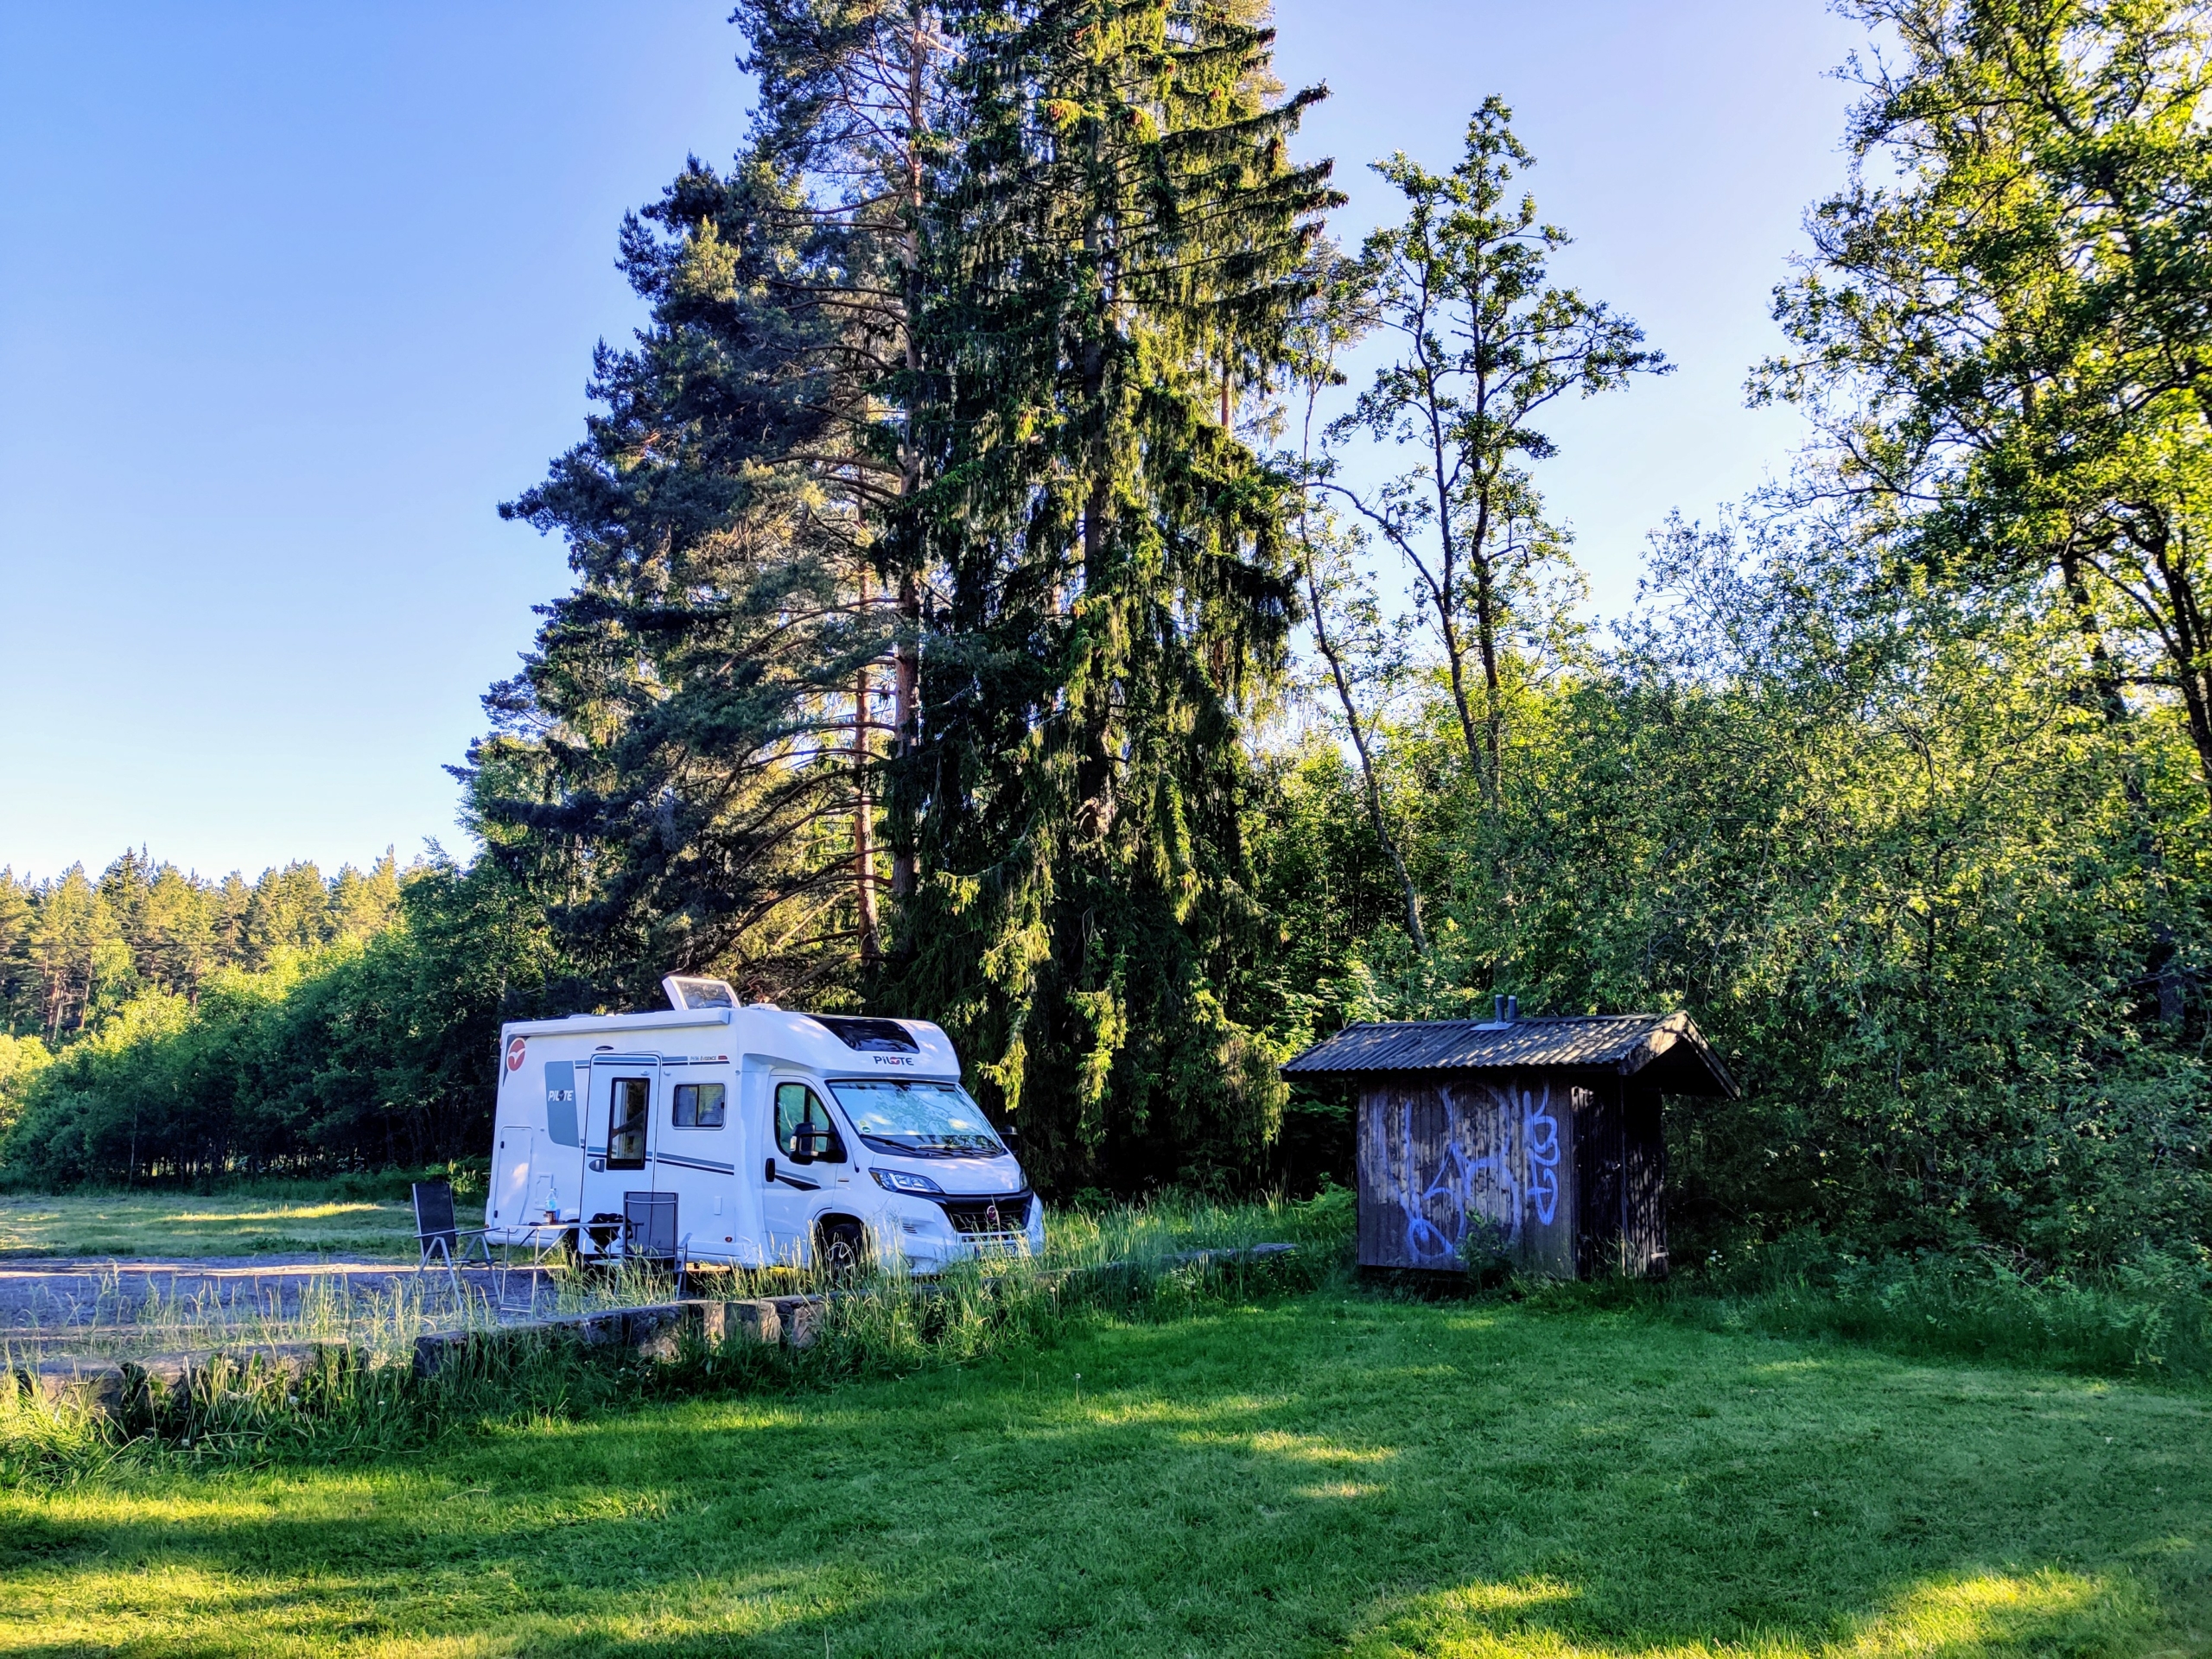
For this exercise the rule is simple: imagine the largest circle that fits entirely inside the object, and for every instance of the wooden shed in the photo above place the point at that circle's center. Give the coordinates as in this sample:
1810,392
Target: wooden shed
1542,1133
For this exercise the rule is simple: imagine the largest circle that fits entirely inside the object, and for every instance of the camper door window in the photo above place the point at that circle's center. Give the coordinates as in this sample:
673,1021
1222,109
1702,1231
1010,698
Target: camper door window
626,1130
802,1127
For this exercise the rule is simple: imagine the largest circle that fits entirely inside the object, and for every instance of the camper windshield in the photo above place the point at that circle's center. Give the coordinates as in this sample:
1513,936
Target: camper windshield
925,1119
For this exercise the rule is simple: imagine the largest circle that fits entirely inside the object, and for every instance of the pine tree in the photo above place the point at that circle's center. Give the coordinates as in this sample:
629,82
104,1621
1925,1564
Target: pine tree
19,996
675,766
852,97
127,885
228,905
288,911
363,904
75,949
180,947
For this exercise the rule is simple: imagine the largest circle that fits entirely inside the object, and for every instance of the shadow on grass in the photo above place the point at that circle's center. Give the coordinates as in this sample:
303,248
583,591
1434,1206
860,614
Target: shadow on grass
1316,1475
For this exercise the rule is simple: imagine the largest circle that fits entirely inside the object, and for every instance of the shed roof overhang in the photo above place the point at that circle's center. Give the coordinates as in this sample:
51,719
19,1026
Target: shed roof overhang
1665,1049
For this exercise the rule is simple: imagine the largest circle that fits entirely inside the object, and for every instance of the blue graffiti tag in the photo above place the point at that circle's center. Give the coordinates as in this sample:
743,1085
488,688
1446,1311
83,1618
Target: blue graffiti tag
1498,1166
1540,1138
1458,1180
1424,1238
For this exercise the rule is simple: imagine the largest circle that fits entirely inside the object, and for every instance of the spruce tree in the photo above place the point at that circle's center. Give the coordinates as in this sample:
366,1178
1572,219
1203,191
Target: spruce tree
942,380
1120,237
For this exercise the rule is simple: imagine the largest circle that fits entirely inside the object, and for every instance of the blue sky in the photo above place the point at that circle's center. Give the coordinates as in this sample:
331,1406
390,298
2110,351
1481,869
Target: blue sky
292,297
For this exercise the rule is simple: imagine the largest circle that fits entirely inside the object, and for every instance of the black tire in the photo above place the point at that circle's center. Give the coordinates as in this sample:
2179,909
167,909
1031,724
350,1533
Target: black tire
841,1249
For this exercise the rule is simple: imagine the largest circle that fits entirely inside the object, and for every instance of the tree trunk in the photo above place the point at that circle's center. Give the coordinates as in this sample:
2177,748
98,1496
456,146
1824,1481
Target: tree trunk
2189,645
1455,661
1493,712
863,813
2164,956
906,674
1374,790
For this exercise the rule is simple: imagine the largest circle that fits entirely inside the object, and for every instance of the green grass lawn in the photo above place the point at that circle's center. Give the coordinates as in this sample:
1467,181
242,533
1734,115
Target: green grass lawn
1331,1473
182,1223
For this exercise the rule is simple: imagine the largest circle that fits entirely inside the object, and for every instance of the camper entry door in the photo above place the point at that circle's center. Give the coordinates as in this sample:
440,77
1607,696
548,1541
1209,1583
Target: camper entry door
625,1097
695,1156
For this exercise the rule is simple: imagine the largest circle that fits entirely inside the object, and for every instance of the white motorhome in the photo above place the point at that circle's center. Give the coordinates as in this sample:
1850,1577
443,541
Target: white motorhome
785,1138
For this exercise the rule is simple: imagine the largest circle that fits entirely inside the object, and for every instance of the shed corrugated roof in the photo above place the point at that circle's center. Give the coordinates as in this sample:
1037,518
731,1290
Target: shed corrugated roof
1623,1043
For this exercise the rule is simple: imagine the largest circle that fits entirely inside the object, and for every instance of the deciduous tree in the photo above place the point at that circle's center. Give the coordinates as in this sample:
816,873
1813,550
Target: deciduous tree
1482,343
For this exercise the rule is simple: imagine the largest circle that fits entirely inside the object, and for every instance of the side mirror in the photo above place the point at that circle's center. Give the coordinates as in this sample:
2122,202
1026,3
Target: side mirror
1012,1136
768,1175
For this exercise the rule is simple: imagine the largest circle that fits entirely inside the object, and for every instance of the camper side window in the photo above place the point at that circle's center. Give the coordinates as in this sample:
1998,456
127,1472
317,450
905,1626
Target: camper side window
697,1106
802,1127
626,1127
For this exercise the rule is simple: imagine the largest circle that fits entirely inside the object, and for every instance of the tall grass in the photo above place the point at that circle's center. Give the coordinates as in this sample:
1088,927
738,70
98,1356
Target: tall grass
1089,1235
2148,1320
358,1398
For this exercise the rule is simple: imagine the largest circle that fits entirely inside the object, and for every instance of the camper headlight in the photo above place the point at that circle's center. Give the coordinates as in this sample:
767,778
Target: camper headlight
897,1180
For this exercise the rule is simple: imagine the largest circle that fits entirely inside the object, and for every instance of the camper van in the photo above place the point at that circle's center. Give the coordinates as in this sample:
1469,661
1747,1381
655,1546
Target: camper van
796,1140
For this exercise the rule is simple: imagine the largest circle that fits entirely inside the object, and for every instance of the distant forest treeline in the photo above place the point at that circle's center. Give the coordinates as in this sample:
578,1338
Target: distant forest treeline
73,949
986,561
163,1026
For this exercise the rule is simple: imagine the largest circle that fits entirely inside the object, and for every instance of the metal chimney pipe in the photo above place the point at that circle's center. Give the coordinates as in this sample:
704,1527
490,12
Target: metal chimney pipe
1512,1009
1497,1010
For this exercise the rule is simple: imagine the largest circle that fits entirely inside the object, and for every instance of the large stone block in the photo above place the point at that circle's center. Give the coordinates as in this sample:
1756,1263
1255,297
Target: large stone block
752,1321
96,1387
605,1329
657,1332
435,1353
801,1317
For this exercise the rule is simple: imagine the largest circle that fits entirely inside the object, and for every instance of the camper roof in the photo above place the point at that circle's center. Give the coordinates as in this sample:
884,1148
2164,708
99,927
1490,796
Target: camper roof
833,1043
661,1019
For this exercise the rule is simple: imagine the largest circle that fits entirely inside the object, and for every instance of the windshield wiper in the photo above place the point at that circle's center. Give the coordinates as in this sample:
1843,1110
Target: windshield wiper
933,1148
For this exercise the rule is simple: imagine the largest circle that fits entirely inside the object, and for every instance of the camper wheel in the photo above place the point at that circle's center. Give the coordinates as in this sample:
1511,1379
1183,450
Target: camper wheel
840,1247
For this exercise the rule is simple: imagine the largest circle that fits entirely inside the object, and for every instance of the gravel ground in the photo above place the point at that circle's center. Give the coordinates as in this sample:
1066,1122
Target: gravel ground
67,1301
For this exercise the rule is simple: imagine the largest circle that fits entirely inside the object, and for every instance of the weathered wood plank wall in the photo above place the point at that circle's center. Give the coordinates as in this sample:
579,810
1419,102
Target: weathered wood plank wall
1566,1178
1644,1209
1599,1162
1439,1158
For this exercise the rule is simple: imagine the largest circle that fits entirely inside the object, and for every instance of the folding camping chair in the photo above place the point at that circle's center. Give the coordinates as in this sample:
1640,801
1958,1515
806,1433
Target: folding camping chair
649,1232
435,1231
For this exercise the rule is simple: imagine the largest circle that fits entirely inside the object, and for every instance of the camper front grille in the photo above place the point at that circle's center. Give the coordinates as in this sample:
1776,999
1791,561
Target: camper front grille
976,1216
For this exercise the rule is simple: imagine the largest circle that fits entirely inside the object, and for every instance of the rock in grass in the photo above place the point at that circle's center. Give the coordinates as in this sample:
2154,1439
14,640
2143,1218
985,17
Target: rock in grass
722,1322
800,1318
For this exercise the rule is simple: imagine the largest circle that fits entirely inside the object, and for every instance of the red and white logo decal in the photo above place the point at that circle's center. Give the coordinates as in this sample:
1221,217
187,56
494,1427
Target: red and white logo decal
514,1054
